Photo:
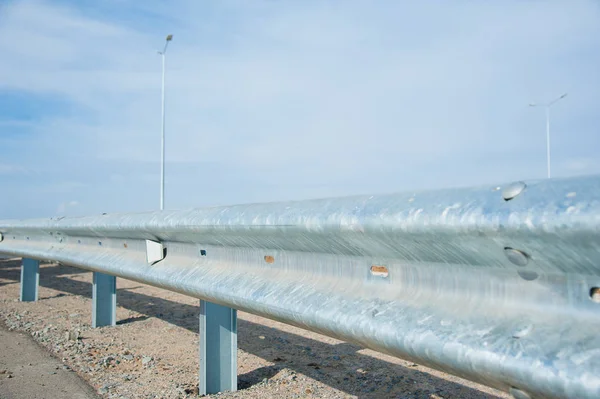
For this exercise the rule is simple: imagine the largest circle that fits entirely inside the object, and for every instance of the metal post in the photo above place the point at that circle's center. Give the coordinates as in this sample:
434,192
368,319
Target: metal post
162,141
218,348
548,138
30,280
547,106
104,300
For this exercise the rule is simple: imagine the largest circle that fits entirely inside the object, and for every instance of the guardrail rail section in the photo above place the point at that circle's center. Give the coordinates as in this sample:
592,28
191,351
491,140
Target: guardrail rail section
499,285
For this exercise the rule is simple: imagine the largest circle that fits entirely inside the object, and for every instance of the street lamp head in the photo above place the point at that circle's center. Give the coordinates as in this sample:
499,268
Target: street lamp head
167,40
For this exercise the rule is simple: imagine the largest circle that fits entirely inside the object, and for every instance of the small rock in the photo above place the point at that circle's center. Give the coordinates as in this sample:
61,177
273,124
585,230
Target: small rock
72,315
103,390
127,357
192,391
261,337
72,335
146,360
105,361
4,371
336,357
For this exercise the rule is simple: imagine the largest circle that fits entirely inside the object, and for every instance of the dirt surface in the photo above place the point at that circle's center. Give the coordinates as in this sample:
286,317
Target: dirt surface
153,350
29,371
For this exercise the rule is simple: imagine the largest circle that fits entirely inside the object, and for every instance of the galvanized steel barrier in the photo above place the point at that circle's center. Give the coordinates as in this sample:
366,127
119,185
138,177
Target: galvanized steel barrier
499,285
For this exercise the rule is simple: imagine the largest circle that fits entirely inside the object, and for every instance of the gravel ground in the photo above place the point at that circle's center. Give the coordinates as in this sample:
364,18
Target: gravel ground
152,352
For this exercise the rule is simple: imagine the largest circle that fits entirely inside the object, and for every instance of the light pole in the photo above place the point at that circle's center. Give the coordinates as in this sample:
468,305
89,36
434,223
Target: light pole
547,106
162,142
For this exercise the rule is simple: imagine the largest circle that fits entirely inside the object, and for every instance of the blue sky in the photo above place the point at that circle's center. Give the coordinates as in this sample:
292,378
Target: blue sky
275,100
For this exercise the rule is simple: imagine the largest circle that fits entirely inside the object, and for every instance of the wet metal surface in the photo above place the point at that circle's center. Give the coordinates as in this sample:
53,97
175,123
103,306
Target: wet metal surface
425,276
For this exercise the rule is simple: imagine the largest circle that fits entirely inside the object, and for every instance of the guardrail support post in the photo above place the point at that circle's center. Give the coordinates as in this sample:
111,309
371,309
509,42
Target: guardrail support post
30,279
218,348
104,300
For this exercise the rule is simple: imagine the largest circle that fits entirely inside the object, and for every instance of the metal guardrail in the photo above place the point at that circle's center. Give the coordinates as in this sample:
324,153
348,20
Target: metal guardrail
499,285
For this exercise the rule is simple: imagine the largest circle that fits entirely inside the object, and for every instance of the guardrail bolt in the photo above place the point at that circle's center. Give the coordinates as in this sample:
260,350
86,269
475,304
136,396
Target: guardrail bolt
269,259
595,294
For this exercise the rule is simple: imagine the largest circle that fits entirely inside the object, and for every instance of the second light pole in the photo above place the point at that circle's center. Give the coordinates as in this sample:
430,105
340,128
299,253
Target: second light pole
162,142
547,106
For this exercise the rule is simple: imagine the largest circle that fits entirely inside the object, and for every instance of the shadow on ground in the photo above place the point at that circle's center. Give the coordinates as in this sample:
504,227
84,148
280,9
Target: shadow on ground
279,347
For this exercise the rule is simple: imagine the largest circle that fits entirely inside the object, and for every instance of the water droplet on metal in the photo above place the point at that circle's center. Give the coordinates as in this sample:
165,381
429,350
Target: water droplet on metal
518,394
528,275
523,331
517,257
513,190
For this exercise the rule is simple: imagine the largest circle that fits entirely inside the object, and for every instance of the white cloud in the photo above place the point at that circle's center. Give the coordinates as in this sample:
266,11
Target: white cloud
66,208
579,165
11,169
270,100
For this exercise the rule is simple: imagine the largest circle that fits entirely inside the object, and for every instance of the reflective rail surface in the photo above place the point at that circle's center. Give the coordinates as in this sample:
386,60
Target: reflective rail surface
499,285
